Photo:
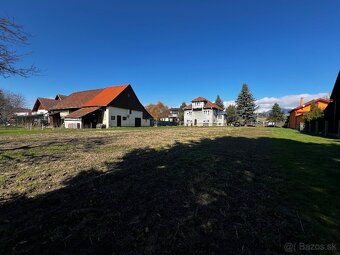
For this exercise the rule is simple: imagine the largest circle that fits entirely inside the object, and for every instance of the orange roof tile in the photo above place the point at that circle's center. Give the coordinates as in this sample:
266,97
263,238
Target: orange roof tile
106,96
324,100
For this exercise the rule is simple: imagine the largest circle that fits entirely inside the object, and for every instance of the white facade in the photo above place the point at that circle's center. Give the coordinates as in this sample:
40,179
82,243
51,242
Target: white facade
73,123
40,112
111,118
198,116
128,117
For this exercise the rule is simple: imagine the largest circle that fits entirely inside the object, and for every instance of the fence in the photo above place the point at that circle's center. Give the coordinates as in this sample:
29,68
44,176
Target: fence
322,127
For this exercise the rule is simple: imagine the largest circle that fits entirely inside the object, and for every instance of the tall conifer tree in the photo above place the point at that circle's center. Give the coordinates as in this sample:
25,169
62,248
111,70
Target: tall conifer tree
245,105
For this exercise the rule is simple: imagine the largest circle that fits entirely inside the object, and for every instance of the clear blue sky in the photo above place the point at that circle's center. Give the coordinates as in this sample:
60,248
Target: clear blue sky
176,50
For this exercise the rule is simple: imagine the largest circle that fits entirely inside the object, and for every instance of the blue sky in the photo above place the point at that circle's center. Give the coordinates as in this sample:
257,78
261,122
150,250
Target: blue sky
174,51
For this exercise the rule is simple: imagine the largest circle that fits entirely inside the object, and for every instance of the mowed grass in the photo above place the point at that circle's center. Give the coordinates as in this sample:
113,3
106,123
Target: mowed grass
167,190
311,165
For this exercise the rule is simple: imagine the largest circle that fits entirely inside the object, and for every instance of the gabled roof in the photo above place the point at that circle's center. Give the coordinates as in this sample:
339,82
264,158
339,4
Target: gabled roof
60,97
323,100
336,89
76,99
207,105
17,110
212,105
199,99
188,107
87,98
81,112
106,96
46,103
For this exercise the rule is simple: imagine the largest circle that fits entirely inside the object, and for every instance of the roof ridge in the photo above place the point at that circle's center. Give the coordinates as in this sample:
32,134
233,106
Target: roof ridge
88,90
309,102
47,98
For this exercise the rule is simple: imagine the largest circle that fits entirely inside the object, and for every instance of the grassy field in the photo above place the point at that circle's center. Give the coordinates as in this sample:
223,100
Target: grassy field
167,190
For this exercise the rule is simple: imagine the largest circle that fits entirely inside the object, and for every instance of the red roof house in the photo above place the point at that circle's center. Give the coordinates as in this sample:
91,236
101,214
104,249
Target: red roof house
112,106
202,112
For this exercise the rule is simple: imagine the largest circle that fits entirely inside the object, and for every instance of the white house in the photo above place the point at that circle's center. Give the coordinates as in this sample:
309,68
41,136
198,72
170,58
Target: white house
202,112
173,115
116,106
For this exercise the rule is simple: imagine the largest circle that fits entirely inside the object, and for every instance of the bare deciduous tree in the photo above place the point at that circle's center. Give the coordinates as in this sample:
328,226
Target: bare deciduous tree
12,35
9,103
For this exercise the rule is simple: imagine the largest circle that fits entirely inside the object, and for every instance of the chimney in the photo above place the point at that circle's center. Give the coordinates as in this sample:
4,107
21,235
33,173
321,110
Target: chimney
301,101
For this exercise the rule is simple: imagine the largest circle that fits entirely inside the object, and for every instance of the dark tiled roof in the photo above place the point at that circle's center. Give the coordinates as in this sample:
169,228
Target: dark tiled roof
188,107
212,105
46,103
81,112
208,105
20,110
336,89
76,99
62,97
199,99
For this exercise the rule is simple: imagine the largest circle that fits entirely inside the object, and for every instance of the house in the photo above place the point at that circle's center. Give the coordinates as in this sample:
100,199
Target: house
116,106
42,106
202,112
296,120
332,111
173,115
22,112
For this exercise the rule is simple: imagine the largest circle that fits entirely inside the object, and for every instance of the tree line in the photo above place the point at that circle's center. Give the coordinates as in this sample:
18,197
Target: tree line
244,109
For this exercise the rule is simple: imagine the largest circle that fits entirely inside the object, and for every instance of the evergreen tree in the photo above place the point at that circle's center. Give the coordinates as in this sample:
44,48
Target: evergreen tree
219,102
181,111
314,113
231,114
276,114
245,105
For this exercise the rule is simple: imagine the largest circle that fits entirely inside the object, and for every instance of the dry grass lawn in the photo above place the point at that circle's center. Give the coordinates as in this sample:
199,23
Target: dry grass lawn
165,190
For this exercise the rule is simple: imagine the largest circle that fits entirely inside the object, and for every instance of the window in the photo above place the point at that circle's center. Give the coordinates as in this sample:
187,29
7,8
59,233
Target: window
130,111
124,118
113,117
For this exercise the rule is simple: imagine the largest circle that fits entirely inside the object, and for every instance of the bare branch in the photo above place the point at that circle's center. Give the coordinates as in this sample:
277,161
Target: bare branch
13,34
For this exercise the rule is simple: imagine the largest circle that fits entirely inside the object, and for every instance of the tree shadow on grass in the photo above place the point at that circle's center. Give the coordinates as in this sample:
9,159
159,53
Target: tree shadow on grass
221,196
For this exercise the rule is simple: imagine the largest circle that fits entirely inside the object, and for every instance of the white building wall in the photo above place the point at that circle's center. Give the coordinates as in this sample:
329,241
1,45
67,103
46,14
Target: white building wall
73,123
188,118
204,117
40,112
128,119
64,113
221,120
196,105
